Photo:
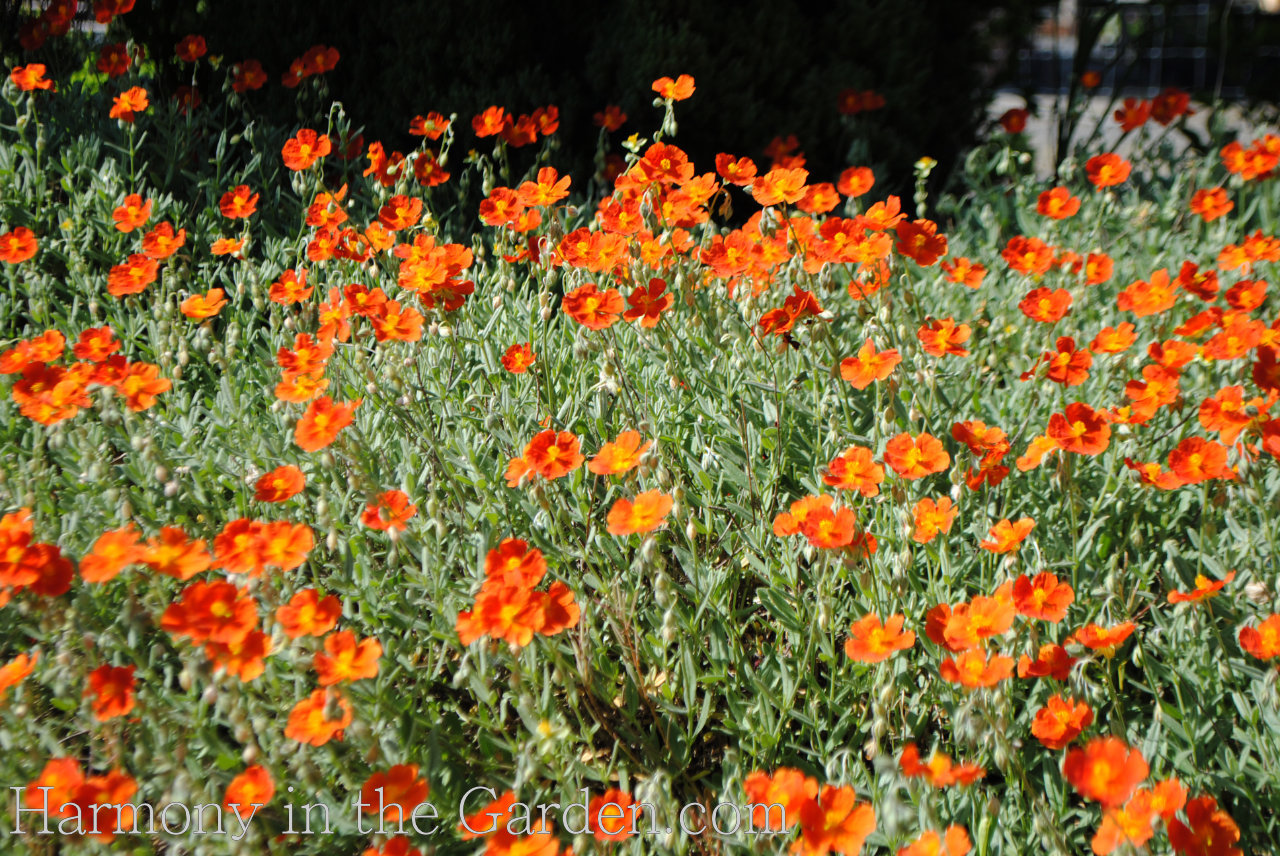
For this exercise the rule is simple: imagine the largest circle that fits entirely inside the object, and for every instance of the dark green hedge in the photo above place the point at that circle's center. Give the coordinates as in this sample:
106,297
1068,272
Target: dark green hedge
762,69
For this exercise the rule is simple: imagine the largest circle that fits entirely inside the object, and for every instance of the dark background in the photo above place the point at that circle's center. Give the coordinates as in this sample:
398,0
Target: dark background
762,69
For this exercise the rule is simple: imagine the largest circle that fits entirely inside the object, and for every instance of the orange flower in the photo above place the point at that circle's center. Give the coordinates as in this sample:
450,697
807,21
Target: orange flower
792,521
171,553
1205,589
132,214
217,612
1107,170
226,247
318,718
280,484
432,126
1044,597
1262,641
916,457
1014,120
675,90
201,306
1046,305
869,365
1114,340
394,794
190,48
1007,537
112,553
883,216
645,514
646,304
1197,460
787,788
1130,824
161,242
345,659
30,77
1211,204
1058,203
835,822
855,181
1149,298
1105,770
250,789
613,816
16,671
291,287
855,469
1208,830
490,122
1052,661
964,271
514,613
1030,256
320,425
17,245
64,780
1098,268
513,563
955,842
304,149
133,276
1104,639
141,384
919,241
390,511
829,529
939,771
553,455
942,337
871,642
619,456
238,202
116,789
592,308
111,689
244,659
308,614
1081,429
780,185
972,669
1060,721
129,103
932,518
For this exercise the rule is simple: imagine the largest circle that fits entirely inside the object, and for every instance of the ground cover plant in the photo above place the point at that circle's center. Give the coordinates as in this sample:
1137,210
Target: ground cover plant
680,491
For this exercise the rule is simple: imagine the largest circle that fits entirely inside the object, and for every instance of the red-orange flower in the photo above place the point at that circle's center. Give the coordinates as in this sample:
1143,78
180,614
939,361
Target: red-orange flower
1107,170
322,422
1044,597
1058,203
916,457
1105,770
973,669
835,822
619,456
304,149
593,308
677,90
345,659
942,337
869,365
390,511
1060,721
251,788
644,514
870,641
111,691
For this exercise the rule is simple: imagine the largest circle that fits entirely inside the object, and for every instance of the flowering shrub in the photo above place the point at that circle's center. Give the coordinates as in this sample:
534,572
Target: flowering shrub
933,535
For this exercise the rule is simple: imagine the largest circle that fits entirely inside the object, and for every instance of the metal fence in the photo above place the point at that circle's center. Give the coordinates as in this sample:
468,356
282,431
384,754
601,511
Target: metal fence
1227,48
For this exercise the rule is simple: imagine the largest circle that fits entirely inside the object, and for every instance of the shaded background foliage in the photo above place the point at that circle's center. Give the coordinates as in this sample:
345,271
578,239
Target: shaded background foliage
762,69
